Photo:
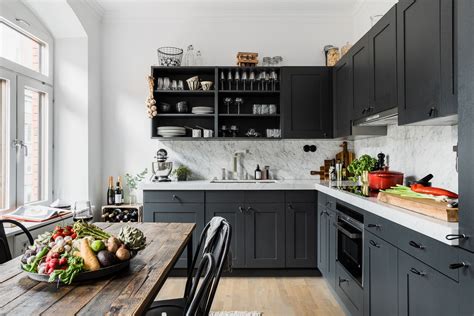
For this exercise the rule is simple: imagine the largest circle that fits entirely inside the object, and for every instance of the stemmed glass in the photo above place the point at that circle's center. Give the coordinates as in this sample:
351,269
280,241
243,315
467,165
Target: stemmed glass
244,78
222,80
237,79
228,102
261,78
252,79
238,102
274,78
229,79
267,80
82,211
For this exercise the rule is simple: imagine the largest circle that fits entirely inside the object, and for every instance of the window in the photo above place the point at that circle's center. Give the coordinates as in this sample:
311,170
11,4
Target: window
4,148
22,49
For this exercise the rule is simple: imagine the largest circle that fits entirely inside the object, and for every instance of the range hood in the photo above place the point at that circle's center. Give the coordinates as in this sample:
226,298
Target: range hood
384,118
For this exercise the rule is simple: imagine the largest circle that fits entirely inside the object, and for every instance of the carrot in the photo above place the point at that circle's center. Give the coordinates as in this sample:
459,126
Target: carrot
90,260
419,188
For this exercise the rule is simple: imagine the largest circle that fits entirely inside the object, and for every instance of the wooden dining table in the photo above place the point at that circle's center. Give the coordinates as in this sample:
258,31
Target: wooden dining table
128,292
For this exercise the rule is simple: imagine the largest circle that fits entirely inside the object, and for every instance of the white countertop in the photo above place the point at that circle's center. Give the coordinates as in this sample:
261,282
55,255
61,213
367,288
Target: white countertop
431,227
12,231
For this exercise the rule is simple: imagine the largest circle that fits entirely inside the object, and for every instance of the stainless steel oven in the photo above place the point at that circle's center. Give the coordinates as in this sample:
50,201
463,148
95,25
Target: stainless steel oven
350,241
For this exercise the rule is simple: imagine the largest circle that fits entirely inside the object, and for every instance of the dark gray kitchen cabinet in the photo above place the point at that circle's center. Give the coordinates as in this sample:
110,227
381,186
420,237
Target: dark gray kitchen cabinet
265,235
306,102
327,243
349,291
177,213
382,41
465,265
342,79
359,55
423,290
301,235
426,60
380,277
331,273
233,213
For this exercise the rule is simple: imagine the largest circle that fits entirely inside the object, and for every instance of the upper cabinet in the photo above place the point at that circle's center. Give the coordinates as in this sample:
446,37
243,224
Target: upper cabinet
382,41
359,55
306,102
342,81
426,61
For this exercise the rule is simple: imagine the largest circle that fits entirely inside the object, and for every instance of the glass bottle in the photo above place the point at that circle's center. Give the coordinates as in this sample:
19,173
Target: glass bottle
189,58
199,60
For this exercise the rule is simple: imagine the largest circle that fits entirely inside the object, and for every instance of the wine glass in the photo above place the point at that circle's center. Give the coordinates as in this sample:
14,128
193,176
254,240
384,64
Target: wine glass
229,79
267,80
252,79
228,102
274,78
222,80
238,102
237,79
244,78
82,211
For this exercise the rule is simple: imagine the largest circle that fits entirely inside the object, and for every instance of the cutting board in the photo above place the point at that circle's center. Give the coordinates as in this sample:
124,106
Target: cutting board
428,207
345,156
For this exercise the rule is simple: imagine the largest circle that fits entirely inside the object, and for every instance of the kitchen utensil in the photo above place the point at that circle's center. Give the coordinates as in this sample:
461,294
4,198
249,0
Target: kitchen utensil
161,168
182,107
345,156
264,109
427,207
206,85
424,181
193,83
170,56
171,131
384,179
164,107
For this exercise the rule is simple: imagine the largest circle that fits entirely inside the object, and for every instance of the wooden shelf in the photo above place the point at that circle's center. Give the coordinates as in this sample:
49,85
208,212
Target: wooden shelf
186,92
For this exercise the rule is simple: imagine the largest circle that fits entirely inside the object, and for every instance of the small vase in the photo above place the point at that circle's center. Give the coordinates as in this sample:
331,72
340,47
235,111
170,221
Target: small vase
132,197
182,178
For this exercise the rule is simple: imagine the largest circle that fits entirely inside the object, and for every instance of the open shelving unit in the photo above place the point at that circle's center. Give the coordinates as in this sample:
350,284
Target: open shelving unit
244,120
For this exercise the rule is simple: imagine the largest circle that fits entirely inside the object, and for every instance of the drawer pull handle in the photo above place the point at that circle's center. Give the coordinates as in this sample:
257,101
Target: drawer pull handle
250,209
454,266
373,243
456,236
290,206
416,245
175,197
341,280
241,209
374,225
415,271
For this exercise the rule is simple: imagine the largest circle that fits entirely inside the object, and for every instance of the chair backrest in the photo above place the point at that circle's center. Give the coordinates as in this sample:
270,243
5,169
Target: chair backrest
5,254
219,251
203,282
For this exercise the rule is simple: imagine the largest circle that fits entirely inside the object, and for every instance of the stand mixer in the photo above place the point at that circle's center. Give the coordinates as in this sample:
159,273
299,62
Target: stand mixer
161,168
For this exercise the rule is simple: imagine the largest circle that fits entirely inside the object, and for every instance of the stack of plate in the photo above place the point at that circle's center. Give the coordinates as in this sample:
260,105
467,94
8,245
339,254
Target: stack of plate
202,110
171,131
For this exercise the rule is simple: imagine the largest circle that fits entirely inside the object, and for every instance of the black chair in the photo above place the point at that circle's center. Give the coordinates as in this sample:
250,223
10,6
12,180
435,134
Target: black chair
199,303
5,254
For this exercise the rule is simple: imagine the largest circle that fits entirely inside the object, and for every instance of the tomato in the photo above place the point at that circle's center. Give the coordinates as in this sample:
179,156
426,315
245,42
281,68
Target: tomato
55,255
74,236
57,228
66,232
62,261
68,227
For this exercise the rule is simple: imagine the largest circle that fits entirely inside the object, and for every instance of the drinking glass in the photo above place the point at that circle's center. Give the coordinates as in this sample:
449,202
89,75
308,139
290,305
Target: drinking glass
252,79
166,83
264,109
272,109
229,79
222,80
256,109
267,80
269,133
180,85
159,83
174,85
274,78
266,61
82,211
244,78
237,79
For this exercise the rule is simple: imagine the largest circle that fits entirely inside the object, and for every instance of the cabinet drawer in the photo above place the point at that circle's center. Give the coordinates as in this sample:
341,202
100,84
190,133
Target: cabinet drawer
225,196
382,228
264,197
351,294
430,251
173,196
300,196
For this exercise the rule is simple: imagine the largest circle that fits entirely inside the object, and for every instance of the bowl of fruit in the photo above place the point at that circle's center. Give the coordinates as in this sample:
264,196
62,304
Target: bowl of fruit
81,252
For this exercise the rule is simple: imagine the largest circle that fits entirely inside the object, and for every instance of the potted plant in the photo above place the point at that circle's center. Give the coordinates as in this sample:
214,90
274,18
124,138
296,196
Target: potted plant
182,173
360,168
132,184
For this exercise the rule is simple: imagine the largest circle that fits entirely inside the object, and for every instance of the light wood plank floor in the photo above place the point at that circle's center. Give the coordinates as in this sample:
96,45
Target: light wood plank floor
270,295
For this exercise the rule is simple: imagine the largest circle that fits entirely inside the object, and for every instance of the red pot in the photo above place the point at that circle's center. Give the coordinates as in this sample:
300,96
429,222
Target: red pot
384,179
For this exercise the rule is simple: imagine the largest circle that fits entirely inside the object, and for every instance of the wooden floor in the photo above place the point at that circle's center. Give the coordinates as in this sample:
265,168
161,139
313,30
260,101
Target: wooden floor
270,295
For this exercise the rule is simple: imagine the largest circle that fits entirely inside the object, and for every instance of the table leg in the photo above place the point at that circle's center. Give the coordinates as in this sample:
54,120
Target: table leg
189,266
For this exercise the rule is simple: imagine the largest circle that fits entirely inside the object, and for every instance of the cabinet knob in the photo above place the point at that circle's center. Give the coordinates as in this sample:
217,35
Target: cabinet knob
416,245
415,271
249,209
373,243
458,265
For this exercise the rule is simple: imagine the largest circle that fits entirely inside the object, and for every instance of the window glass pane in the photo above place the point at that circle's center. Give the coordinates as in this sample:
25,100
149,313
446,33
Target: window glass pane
4,148
33,160
19,48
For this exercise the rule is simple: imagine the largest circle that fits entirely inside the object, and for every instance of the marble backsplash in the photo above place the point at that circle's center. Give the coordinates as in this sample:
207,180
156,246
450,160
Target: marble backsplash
286,158
417,151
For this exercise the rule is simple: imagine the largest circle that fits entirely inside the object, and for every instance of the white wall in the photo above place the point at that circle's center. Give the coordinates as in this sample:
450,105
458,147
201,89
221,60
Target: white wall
363,12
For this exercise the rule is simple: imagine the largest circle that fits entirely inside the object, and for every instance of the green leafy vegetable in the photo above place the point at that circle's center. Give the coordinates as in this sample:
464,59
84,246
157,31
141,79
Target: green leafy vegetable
75,265
33,267
132,237
358,166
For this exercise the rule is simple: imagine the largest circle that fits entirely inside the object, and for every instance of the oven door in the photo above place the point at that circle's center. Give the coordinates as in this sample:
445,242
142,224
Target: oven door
349,248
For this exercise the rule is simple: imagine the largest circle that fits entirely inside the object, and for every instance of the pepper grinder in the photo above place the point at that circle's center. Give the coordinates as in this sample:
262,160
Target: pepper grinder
381,162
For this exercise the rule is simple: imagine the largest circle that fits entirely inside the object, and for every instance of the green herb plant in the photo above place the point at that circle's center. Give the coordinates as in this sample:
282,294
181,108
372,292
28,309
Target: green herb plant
134,180
182,172
358,166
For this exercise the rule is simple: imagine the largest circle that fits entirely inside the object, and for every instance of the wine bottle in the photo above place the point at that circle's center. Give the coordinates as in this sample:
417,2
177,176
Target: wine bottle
258,173
118,193
110,192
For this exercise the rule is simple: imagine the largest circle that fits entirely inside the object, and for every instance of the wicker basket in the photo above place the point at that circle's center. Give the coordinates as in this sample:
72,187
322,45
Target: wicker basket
170,56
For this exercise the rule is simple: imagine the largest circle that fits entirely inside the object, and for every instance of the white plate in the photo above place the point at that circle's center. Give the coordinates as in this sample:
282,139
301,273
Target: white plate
171,127
203,108
170,133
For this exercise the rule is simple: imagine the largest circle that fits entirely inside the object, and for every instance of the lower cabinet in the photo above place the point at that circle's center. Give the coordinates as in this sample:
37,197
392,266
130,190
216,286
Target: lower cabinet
233,213
265,235
327,243
349,291
425,291
301,235
177,213
380,277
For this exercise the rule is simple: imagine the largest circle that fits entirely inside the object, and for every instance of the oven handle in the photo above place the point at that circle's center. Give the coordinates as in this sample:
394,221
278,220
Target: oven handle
348,233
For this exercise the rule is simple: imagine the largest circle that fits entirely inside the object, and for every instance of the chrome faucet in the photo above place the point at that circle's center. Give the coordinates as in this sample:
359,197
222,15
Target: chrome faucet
237,165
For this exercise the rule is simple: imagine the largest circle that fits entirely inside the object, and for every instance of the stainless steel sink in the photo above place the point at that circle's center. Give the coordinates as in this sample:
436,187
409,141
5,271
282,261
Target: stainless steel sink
243,181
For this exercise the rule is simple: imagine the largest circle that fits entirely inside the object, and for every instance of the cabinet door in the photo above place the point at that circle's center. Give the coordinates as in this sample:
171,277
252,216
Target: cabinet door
177,213
426,83
332,247
300,235
359,55
265,235
342,97
423,290
323,241
233,213
380,277
466,281
383,63
306,102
